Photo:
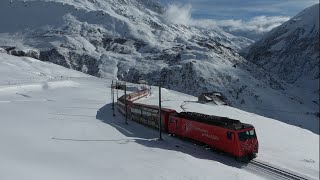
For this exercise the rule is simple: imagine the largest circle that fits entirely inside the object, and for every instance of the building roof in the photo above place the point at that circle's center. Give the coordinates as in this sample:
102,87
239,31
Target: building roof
216,97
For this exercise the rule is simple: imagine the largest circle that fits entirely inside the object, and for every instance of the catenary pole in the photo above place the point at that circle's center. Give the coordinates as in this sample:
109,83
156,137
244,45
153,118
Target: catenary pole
111,93
113,101
160,131
117,90
125,101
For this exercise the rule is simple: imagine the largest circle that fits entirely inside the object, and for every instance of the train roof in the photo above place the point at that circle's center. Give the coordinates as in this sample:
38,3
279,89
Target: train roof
215,120
155,107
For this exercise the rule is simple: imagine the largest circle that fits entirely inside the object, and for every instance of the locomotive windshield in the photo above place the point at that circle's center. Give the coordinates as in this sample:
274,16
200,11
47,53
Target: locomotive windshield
247,135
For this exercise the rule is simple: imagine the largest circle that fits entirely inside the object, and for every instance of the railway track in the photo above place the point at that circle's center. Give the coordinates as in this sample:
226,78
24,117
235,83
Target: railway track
274,172
265,169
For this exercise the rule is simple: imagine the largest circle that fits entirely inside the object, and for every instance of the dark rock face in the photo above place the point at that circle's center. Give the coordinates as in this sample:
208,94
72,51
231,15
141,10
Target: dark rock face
84,63
8,48
183,76
80,62
55,57
33,54
15,52
27,53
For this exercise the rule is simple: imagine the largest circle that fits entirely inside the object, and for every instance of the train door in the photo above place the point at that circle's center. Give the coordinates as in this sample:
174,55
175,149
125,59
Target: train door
164,121
231,143
173,126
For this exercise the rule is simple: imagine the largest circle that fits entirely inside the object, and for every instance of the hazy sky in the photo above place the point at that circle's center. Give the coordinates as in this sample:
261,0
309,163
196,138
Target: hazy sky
243,9
248,18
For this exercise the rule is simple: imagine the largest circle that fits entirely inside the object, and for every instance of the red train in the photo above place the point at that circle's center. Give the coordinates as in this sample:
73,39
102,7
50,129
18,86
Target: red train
221,133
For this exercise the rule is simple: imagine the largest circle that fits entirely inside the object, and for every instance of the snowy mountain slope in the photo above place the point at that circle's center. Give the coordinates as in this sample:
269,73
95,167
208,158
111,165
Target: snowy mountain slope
68,132
131,40
85,36
135,20
291,51
28,70
260,94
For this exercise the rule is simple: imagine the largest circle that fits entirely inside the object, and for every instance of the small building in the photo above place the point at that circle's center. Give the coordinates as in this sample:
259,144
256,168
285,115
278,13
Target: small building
141,81
118,85
214,97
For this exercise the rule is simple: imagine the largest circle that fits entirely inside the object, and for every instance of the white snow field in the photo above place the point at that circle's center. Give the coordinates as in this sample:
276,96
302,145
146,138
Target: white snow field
57,123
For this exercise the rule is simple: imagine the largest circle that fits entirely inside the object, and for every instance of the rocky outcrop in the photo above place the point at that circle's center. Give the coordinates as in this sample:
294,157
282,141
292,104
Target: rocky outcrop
2,50
22,52
73,60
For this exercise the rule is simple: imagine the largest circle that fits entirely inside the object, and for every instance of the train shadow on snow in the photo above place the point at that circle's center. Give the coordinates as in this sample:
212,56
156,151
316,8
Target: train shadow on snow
148,137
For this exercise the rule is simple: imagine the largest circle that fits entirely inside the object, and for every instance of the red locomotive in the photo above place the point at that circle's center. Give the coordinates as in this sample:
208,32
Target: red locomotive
221,133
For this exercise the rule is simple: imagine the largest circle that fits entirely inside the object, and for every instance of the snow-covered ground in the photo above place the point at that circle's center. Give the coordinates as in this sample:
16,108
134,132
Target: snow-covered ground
57,123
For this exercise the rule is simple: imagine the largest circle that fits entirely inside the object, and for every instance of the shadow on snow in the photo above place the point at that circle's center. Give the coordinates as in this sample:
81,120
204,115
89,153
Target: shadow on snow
148,137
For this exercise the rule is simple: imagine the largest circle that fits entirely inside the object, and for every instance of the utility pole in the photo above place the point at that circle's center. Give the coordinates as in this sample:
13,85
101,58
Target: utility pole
160,129
117,90
125,101
111,92
150,89
112,86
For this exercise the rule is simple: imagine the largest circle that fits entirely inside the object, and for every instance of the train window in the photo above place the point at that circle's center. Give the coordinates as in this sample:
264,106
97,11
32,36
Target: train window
251,133
246,135
147,113
135,110
229,135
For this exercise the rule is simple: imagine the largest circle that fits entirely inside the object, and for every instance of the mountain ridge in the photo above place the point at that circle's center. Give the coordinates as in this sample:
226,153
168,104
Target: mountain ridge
294,43
121,40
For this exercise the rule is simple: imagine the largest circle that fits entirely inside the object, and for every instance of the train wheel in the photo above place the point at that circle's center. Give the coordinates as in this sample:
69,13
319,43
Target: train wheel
243,159
252,156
